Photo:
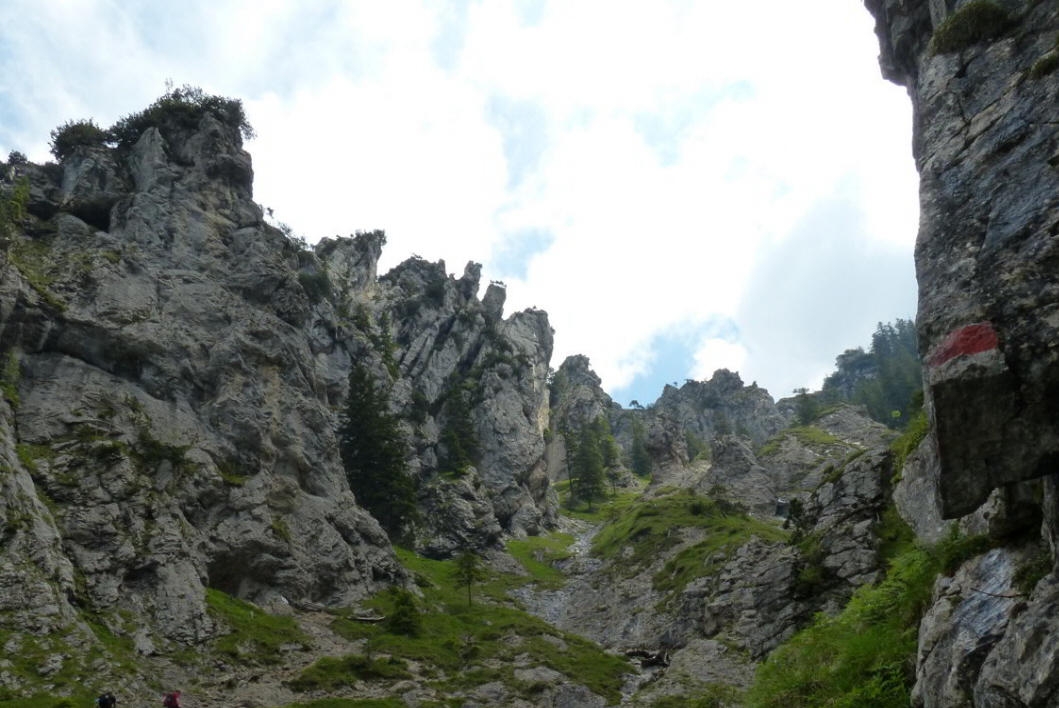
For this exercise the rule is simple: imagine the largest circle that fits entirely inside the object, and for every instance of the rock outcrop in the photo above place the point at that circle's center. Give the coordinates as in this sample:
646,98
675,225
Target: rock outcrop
985,145
983,82
173,370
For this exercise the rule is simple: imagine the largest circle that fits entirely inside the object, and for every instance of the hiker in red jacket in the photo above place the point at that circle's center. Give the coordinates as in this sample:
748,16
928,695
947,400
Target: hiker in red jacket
172,700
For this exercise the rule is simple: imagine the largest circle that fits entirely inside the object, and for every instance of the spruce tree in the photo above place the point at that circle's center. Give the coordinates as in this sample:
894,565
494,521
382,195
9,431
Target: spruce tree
588,467
641,458
608,445
460,446
373,452
468,571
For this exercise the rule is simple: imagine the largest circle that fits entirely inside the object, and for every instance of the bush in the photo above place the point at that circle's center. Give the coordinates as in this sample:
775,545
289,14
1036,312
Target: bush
74,134
918,428
180,109
1045,65
955,549
1031,572
317,286
404,619
976,21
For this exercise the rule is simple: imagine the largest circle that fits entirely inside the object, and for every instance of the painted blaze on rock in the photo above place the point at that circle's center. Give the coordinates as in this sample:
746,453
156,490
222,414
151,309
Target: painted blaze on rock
970,405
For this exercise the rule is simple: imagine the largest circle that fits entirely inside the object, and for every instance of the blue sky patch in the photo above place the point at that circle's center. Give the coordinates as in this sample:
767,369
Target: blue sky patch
511,256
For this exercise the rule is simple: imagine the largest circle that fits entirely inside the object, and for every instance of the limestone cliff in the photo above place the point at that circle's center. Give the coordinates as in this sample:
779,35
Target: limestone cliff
983,83
173,369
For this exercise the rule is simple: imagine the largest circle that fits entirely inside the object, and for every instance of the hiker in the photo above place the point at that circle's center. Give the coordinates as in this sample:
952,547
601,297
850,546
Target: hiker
172,700
106,700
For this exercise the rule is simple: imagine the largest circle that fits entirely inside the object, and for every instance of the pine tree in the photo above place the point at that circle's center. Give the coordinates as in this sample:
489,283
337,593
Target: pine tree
608,446
373,453
641,458
459,440
468,571
588,468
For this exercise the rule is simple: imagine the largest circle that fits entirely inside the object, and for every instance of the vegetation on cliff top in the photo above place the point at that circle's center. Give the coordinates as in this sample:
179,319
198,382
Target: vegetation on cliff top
884,379
177,109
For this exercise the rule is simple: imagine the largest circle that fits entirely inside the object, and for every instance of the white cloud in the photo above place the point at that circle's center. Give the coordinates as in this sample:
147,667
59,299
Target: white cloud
673,153
714,354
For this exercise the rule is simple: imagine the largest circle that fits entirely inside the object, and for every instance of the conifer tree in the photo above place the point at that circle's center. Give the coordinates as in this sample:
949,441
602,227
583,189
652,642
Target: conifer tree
469,571
608,446
588,467
459,439
641,459
373,453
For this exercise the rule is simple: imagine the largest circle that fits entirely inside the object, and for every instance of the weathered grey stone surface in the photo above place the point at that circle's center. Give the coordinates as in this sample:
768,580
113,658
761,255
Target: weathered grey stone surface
987,250
734,474
181,364
916,494
799,464
986,259
724,404
970,614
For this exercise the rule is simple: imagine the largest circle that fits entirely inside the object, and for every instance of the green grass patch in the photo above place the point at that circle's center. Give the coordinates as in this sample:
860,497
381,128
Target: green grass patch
649,527
725,534
256,637
330,673
538,553
861,657
956,548
1045,65
463,644
1032,571
813,438
906,444
609,509
895,536
10,376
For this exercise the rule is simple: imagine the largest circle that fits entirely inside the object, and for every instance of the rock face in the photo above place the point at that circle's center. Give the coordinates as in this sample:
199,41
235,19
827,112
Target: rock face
173,367
985,146
699,410
719,406
446,342
983,82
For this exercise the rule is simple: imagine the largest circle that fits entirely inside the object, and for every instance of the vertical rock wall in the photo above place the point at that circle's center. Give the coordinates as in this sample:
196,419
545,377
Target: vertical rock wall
987,257
982,76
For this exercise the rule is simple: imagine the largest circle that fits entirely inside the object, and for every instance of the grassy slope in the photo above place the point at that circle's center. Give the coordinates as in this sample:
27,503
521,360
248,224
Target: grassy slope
461,646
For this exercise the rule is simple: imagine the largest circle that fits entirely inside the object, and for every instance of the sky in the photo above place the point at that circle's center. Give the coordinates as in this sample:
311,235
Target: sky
682,185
